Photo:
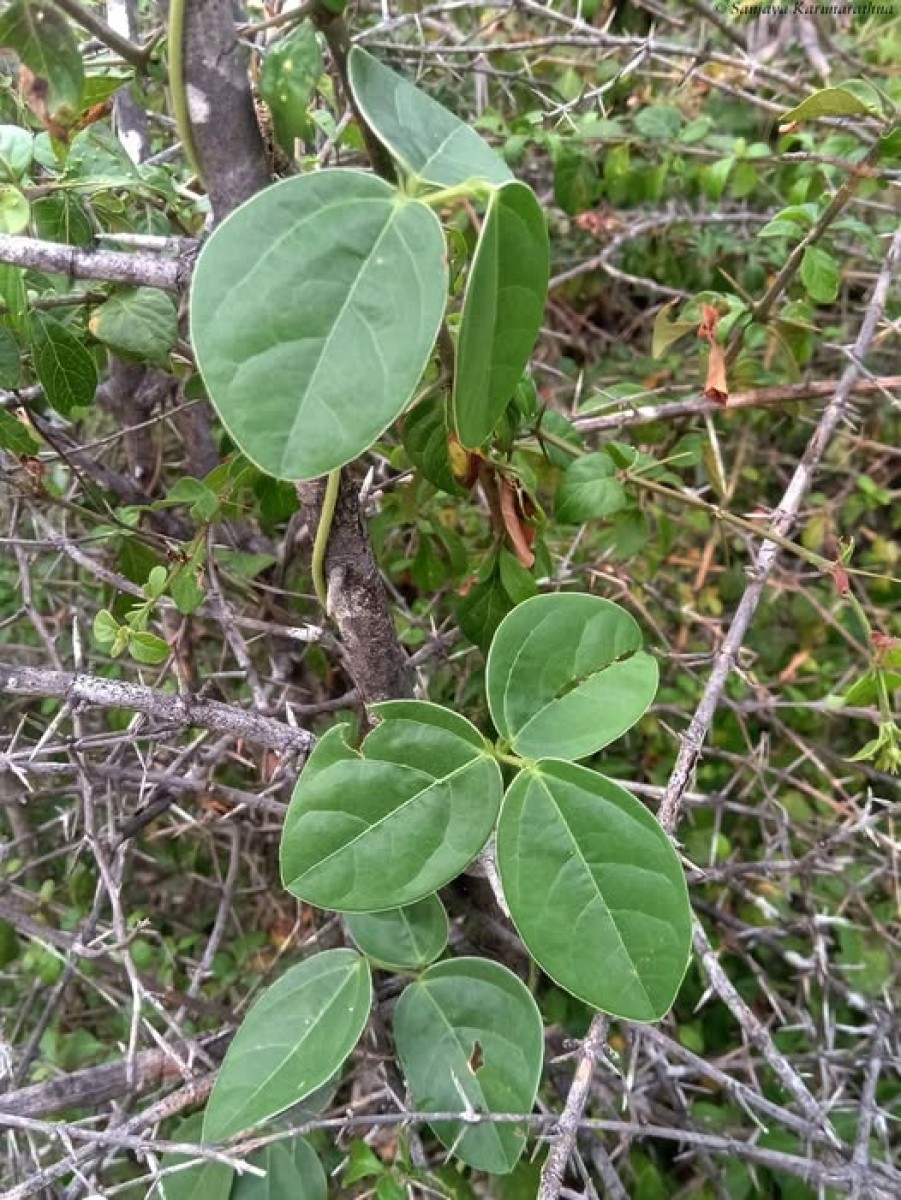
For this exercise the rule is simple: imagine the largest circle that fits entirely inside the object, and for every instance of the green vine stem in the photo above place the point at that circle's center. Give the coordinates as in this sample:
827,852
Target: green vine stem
320,545
177,87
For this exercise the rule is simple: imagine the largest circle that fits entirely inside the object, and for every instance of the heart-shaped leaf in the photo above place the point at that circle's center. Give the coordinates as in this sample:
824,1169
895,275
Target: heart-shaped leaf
420,134
404,939
566,675
502,310
386,825
595,889
293,1171
294,1038
314,309
469,1036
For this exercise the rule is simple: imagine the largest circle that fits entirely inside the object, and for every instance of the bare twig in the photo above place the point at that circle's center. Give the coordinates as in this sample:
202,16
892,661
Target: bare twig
182,711
112,266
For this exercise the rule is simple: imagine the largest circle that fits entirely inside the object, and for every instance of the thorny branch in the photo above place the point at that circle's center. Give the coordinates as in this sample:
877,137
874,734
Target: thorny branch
180,711
696,735
112,266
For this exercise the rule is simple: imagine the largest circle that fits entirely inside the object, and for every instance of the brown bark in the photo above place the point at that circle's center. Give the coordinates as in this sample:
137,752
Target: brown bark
234,168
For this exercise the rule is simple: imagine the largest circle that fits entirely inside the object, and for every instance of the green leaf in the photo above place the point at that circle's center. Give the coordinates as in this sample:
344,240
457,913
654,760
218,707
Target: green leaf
660,122
15,211
362,1163
518,583
469,1035
293,1039
595,889
566,675
40,35
387,825
98,157
138,323
667,332
148,648
293,1172
421,135
63,365
186,591
314,309
820,274
106,628
10,360
854,98
589,489
575,179
401,938
291,70
16,437
425,434
16,148
502,311
62,218
14,297
204,1180
482,609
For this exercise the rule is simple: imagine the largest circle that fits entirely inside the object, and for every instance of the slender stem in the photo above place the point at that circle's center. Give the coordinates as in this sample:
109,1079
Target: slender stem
177,87
320,545
136,56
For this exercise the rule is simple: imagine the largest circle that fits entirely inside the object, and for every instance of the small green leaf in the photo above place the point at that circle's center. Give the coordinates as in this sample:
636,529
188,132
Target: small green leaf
16,437
577,853
98,157
66,370
667,332
820,275
10,360
387,825
518,583
293,1039
421,134
589,489
106,628
40,35
659,122
15,211
156,582
402,939
186,591
566,675
469,1036
425,434
148,648
314,310
293,1172
482,609
204,1180
291,70
16,148
575,179
362,1163
502,311
138,323
855,98
62,218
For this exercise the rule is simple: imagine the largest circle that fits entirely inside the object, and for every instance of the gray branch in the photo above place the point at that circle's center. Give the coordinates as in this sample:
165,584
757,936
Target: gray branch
112,266
183,710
